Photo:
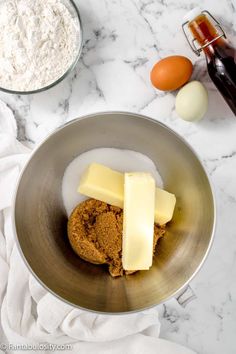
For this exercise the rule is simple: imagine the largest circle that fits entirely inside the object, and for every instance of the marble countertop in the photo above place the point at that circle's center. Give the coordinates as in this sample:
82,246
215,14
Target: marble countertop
122,41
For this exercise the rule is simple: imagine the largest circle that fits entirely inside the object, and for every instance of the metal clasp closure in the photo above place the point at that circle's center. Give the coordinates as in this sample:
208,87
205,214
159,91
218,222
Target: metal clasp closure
195,49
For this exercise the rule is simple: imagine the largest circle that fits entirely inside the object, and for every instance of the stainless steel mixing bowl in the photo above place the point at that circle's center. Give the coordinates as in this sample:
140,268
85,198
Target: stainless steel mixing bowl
40,217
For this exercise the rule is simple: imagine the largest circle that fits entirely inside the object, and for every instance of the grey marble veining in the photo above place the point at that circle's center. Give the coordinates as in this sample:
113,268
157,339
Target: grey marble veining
122,41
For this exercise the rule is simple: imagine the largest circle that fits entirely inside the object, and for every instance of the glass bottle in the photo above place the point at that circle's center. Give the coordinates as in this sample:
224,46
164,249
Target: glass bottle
220,55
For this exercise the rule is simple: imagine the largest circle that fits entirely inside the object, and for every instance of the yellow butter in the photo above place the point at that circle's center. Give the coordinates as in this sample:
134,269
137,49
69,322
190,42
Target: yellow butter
164,206
102,183
138,224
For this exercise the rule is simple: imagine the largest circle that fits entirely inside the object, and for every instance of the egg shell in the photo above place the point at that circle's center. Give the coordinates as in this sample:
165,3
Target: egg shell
171,73
192,101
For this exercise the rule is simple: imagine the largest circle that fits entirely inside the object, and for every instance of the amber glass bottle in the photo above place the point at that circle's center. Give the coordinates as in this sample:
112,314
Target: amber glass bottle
220,55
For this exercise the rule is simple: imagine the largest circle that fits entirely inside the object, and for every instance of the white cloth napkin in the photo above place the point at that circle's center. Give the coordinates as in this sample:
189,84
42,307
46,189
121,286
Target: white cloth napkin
32,316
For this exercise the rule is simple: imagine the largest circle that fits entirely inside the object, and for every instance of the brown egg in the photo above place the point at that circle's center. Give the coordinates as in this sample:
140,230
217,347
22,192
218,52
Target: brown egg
171,72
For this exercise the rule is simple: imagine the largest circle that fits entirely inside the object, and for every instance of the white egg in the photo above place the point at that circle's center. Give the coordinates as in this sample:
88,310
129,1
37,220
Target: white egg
192,101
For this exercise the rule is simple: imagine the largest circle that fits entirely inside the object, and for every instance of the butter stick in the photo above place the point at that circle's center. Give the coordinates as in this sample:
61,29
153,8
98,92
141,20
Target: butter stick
102,183
138,224
164,206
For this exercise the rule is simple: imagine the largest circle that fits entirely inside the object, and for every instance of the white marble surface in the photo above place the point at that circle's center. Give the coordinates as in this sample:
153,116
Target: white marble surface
123,39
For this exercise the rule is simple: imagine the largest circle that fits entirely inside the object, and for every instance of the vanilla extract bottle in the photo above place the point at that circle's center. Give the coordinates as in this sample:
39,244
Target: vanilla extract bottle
209,37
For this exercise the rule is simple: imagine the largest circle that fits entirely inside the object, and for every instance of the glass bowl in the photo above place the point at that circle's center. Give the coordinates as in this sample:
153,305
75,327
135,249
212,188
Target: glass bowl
74,11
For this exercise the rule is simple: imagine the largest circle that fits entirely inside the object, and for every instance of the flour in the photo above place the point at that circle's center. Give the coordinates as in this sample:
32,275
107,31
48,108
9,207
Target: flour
38,43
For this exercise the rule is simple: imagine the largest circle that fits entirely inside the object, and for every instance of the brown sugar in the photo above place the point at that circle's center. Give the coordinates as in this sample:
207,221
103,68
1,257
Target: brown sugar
95,234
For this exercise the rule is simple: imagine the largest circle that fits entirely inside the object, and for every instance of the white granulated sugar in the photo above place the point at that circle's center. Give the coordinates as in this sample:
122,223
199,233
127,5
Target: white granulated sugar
38,43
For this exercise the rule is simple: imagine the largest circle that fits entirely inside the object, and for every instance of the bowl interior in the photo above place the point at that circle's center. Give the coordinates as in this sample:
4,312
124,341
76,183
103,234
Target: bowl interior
40,217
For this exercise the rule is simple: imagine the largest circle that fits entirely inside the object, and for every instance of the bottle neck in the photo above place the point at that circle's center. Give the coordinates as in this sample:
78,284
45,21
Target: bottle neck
204,32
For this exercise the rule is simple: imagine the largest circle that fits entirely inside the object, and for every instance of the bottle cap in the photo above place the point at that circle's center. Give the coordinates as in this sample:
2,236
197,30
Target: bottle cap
191,15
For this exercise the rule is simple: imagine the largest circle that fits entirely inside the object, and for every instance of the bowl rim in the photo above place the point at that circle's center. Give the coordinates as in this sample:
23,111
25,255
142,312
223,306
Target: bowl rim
140,116
69,69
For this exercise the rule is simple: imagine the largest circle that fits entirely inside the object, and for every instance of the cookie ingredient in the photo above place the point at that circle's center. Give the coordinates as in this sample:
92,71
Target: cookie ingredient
164,206
107,185
95,234
209,37
102,183
38,43
171,73
192,101
121,160
138,224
